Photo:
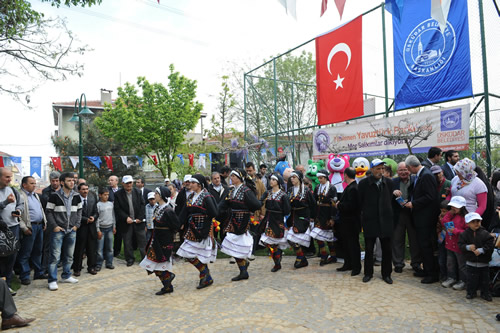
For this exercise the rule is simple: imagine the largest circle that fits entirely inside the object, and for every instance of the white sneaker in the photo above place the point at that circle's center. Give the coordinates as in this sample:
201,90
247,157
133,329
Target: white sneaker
448,283
460,285
251,257
12,291
70,280
53,286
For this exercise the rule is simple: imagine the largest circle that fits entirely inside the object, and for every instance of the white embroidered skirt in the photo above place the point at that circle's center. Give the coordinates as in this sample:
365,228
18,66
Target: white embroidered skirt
237,246
152,266
281,242
321,235
301,239
205,250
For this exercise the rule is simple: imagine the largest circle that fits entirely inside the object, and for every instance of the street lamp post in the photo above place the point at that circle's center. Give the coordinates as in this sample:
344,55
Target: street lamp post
77,117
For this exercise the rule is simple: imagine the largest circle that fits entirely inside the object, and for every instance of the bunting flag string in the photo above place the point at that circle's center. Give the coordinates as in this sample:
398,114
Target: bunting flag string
139,159
125,161
96,160
36,166
17,160
155,159
201,161
191,159
1,162
181,158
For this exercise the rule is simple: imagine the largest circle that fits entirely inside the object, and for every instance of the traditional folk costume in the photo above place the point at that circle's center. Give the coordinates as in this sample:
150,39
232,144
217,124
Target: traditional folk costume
238,242
277,206
325,196
158,257
199,246
303,210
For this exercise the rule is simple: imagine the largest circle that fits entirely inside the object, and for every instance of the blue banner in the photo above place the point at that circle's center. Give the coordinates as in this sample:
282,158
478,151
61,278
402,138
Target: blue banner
96,160
430,66
36,166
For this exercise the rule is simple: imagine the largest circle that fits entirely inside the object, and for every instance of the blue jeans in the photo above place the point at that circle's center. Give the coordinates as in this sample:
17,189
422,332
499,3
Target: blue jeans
7,263
31,247
105,247
62,247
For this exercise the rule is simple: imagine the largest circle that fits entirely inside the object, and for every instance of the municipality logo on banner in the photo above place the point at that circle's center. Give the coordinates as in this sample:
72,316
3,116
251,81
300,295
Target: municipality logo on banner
451,120
431,63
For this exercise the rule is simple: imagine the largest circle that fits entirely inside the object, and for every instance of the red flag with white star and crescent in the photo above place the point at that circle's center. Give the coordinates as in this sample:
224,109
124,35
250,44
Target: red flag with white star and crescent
339,73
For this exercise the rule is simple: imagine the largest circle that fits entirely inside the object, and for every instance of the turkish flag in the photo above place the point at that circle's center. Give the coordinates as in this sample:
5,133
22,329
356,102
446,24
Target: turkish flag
155,159
109,162
339,74
57,163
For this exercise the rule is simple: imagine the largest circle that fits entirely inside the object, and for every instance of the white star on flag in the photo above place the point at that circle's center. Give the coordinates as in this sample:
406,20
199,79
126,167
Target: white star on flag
338,82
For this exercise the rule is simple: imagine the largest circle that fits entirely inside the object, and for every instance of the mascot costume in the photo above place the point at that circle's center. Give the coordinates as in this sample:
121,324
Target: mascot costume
312,170
361,165
336,166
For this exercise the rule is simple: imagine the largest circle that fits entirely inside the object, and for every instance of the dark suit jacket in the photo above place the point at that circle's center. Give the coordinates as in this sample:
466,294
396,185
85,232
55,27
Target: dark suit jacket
218,196
145,194
376,207
425,199
122,208
426,163
111,194
349,207
448,174
88,211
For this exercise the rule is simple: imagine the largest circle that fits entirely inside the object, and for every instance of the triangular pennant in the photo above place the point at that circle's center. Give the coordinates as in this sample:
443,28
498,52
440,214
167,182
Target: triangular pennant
324,6
181,158
1,162
191,159
74,160
201,161
96,160
56,161
109,162
340,6
125,161
139,159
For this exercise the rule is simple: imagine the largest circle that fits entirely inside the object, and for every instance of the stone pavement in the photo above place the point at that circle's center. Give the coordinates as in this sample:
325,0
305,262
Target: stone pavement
311,299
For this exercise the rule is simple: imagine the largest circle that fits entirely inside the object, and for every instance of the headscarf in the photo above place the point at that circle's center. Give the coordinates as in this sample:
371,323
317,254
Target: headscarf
200,179
164,192
278,178
465,168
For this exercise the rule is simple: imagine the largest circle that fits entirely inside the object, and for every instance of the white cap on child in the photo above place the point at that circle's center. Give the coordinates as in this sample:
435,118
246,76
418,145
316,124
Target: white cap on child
472,216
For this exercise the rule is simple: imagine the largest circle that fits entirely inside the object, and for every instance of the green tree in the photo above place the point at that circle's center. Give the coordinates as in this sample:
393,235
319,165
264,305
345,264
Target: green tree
31,52
154,121
225,113
96,144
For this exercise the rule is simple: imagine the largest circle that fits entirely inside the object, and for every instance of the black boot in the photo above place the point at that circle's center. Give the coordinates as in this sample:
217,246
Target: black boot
206,280
243,272
167,286
300,262
277,261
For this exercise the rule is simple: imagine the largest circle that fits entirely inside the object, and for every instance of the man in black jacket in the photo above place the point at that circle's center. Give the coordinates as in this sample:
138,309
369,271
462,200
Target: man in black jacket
86,235
451,157
433,157
350,223
130,215
375,200
219,191
424,207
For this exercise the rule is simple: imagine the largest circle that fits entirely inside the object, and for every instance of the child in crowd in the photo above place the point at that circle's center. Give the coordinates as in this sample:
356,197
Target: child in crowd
453,224
150,208
443,272
477,245
106,228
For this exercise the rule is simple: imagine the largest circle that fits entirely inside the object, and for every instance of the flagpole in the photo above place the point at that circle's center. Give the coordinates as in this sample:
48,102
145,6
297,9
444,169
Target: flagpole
385,61
486,90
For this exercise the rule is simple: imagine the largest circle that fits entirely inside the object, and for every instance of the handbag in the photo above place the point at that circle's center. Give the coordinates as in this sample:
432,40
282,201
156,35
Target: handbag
9,244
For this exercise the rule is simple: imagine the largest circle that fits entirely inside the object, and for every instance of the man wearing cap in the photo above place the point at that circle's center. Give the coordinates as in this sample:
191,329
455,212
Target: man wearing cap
424,207
184,193
375,199
404,225
130,214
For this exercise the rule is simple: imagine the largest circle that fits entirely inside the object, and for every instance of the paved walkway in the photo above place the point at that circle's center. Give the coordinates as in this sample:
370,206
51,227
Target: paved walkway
311,299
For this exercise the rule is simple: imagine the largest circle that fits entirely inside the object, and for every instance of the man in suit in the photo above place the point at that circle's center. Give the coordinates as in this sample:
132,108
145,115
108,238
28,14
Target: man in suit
180,201
424,207
219,191
433,157
86,235
451,157
130,216
350,223
375,202
117,239
404,225
140,184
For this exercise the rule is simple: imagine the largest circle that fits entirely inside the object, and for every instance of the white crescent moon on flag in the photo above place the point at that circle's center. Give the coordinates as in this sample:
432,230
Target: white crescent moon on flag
340,47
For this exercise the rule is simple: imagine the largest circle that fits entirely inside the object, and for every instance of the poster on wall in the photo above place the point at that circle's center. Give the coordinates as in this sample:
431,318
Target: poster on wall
446,128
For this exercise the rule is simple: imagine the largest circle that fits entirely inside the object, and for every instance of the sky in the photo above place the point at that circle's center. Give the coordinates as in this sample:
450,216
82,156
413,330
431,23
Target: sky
202,38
